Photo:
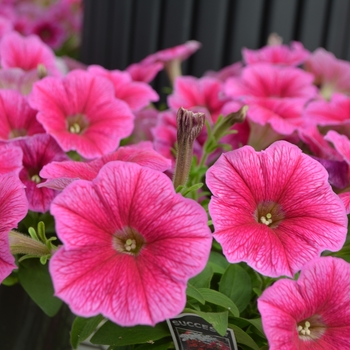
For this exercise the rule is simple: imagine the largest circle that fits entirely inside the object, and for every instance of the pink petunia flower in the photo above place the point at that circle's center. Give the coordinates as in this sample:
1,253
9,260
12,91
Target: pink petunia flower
10,159
144,72
269,81
331,74
38,150
233,70
277,54
26,53
136,94
61,174
81,113
130,245
181,52
17,119
173,57
342,145
274,209
191,93
311,313
13,208
50,32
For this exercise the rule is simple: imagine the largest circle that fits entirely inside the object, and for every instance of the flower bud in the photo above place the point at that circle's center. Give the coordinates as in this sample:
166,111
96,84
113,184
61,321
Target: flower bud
189,126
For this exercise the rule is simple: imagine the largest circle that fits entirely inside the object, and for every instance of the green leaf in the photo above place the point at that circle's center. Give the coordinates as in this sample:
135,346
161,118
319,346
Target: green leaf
203,279
11,280
243,338
194,293
82,328
256,322
112,334
36,281
236,284
217,298
219,320
218,262
186,190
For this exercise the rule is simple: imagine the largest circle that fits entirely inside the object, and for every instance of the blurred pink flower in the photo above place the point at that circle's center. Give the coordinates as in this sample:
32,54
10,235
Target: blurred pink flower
144,72
191,93
342,145
292,55
13,208
233,70
17,79
331,74
50,32
274,209
38,150
61,174
270,81
130,245
181,52
17,119
26,53
136,94
311,313
81,113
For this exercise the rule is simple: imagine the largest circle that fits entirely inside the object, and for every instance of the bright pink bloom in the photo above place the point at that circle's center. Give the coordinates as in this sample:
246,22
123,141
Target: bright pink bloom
277,54
17,119
10,159
145,120
331,74
181,52
136,94
61,174
274,209
342,145
5,26
26,53
269,81
334,112
38,150
50,32
81,113
233,70
144,72
191,93
128,223
311,313
13,208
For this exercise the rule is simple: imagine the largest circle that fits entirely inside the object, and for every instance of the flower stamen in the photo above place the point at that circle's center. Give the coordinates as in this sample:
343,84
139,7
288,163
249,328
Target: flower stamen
36,178
267,220
304,330
75,128
130,244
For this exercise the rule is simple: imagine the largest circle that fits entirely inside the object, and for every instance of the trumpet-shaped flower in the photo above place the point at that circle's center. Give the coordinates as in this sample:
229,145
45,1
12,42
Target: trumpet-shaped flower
17,119
136,94
81,113
38,150
61,174
311,313
130,245
26,53
10,159
274,209
277,54
13,208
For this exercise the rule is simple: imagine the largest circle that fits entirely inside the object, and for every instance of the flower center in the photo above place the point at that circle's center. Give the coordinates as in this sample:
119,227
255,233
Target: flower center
269,213
128,241
77,124
17,133
311,329
36,178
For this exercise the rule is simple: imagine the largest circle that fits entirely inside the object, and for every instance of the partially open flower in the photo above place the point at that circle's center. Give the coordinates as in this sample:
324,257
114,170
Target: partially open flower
311,313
